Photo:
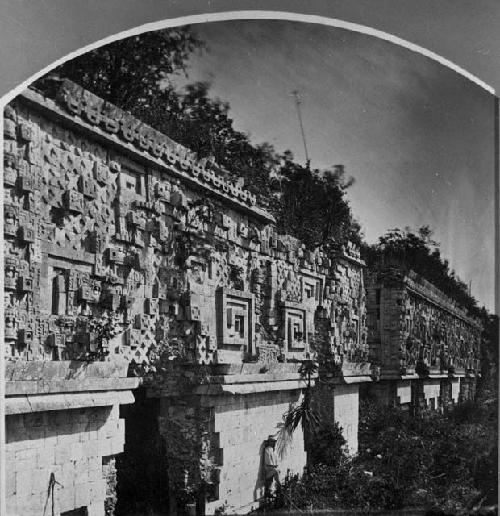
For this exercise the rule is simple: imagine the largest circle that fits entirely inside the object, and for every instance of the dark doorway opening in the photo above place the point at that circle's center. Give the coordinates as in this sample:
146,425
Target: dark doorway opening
142,481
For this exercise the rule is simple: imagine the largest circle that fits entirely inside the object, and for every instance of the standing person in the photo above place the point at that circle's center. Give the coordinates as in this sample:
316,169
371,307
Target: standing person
271,464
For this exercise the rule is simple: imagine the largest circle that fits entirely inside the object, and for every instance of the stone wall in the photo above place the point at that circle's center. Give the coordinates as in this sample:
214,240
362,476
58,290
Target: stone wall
455,389
435,393
242,424
68,446
215,435
403,391
413,327
122,244
339,403
432,393
63,431
346,413
421,343
467,389
109,223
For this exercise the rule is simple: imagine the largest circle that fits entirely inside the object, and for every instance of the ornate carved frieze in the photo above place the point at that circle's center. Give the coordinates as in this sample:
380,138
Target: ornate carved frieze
415,328
97,112
149,259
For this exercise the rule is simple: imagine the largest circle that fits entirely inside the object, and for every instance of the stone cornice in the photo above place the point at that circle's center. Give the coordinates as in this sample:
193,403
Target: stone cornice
351,259
28,403
63,370
36,387
103,122
422,288
426,290
349,373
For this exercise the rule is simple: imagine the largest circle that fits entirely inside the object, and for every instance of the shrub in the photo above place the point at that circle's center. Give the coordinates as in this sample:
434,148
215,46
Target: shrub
446,462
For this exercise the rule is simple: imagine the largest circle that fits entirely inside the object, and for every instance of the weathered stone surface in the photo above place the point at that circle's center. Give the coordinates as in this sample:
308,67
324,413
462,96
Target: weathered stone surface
232,430
120,243
63,370
71,445
149,235
414,328
29,387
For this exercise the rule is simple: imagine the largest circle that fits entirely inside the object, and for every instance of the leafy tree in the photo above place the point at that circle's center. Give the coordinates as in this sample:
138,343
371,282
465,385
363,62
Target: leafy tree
313,206
329,444
135,74
204,125
416,250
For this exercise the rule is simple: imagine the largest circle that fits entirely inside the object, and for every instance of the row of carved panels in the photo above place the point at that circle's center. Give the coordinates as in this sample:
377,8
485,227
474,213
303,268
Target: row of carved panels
77,287
425,317
406,304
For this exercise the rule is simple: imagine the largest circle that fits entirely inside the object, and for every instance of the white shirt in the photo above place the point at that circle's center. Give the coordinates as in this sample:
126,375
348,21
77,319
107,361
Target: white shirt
270,458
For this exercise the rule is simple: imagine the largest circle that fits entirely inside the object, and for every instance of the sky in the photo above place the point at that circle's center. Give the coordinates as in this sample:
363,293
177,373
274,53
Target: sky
417,137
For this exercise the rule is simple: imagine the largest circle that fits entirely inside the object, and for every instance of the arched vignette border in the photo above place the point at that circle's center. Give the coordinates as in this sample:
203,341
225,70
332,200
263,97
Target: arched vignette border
207,18
251,15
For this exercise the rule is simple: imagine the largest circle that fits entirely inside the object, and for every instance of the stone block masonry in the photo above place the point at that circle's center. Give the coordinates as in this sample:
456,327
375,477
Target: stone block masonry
467,388
62,436
121,243
215,437
432,393
242,423
133,227
120,222
123,247
415,328
419,336
346,413
403,392
339,403
455,389
55,459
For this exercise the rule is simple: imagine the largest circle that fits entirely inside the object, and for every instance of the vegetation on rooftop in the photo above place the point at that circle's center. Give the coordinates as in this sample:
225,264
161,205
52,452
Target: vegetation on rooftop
415,249
136,75
449,460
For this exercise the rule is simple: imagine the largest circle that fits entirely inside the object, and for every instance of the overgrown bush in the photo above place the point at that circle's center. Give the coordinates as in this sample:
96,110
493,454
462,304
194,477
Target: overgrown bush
415,249
446,462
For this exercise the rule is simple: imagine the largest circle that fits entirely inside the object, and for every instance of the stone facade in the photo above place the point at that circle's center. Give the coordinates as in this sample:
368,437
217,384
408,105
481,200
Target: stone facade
62,433
120,243
416,333
66,444
243,422
214,432
122,222
122,246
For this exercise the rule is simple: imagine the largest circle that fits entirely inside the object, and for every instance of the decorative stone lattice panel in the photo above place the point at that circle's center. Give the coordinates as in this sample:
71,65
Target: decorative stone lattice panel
109,220
413,327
